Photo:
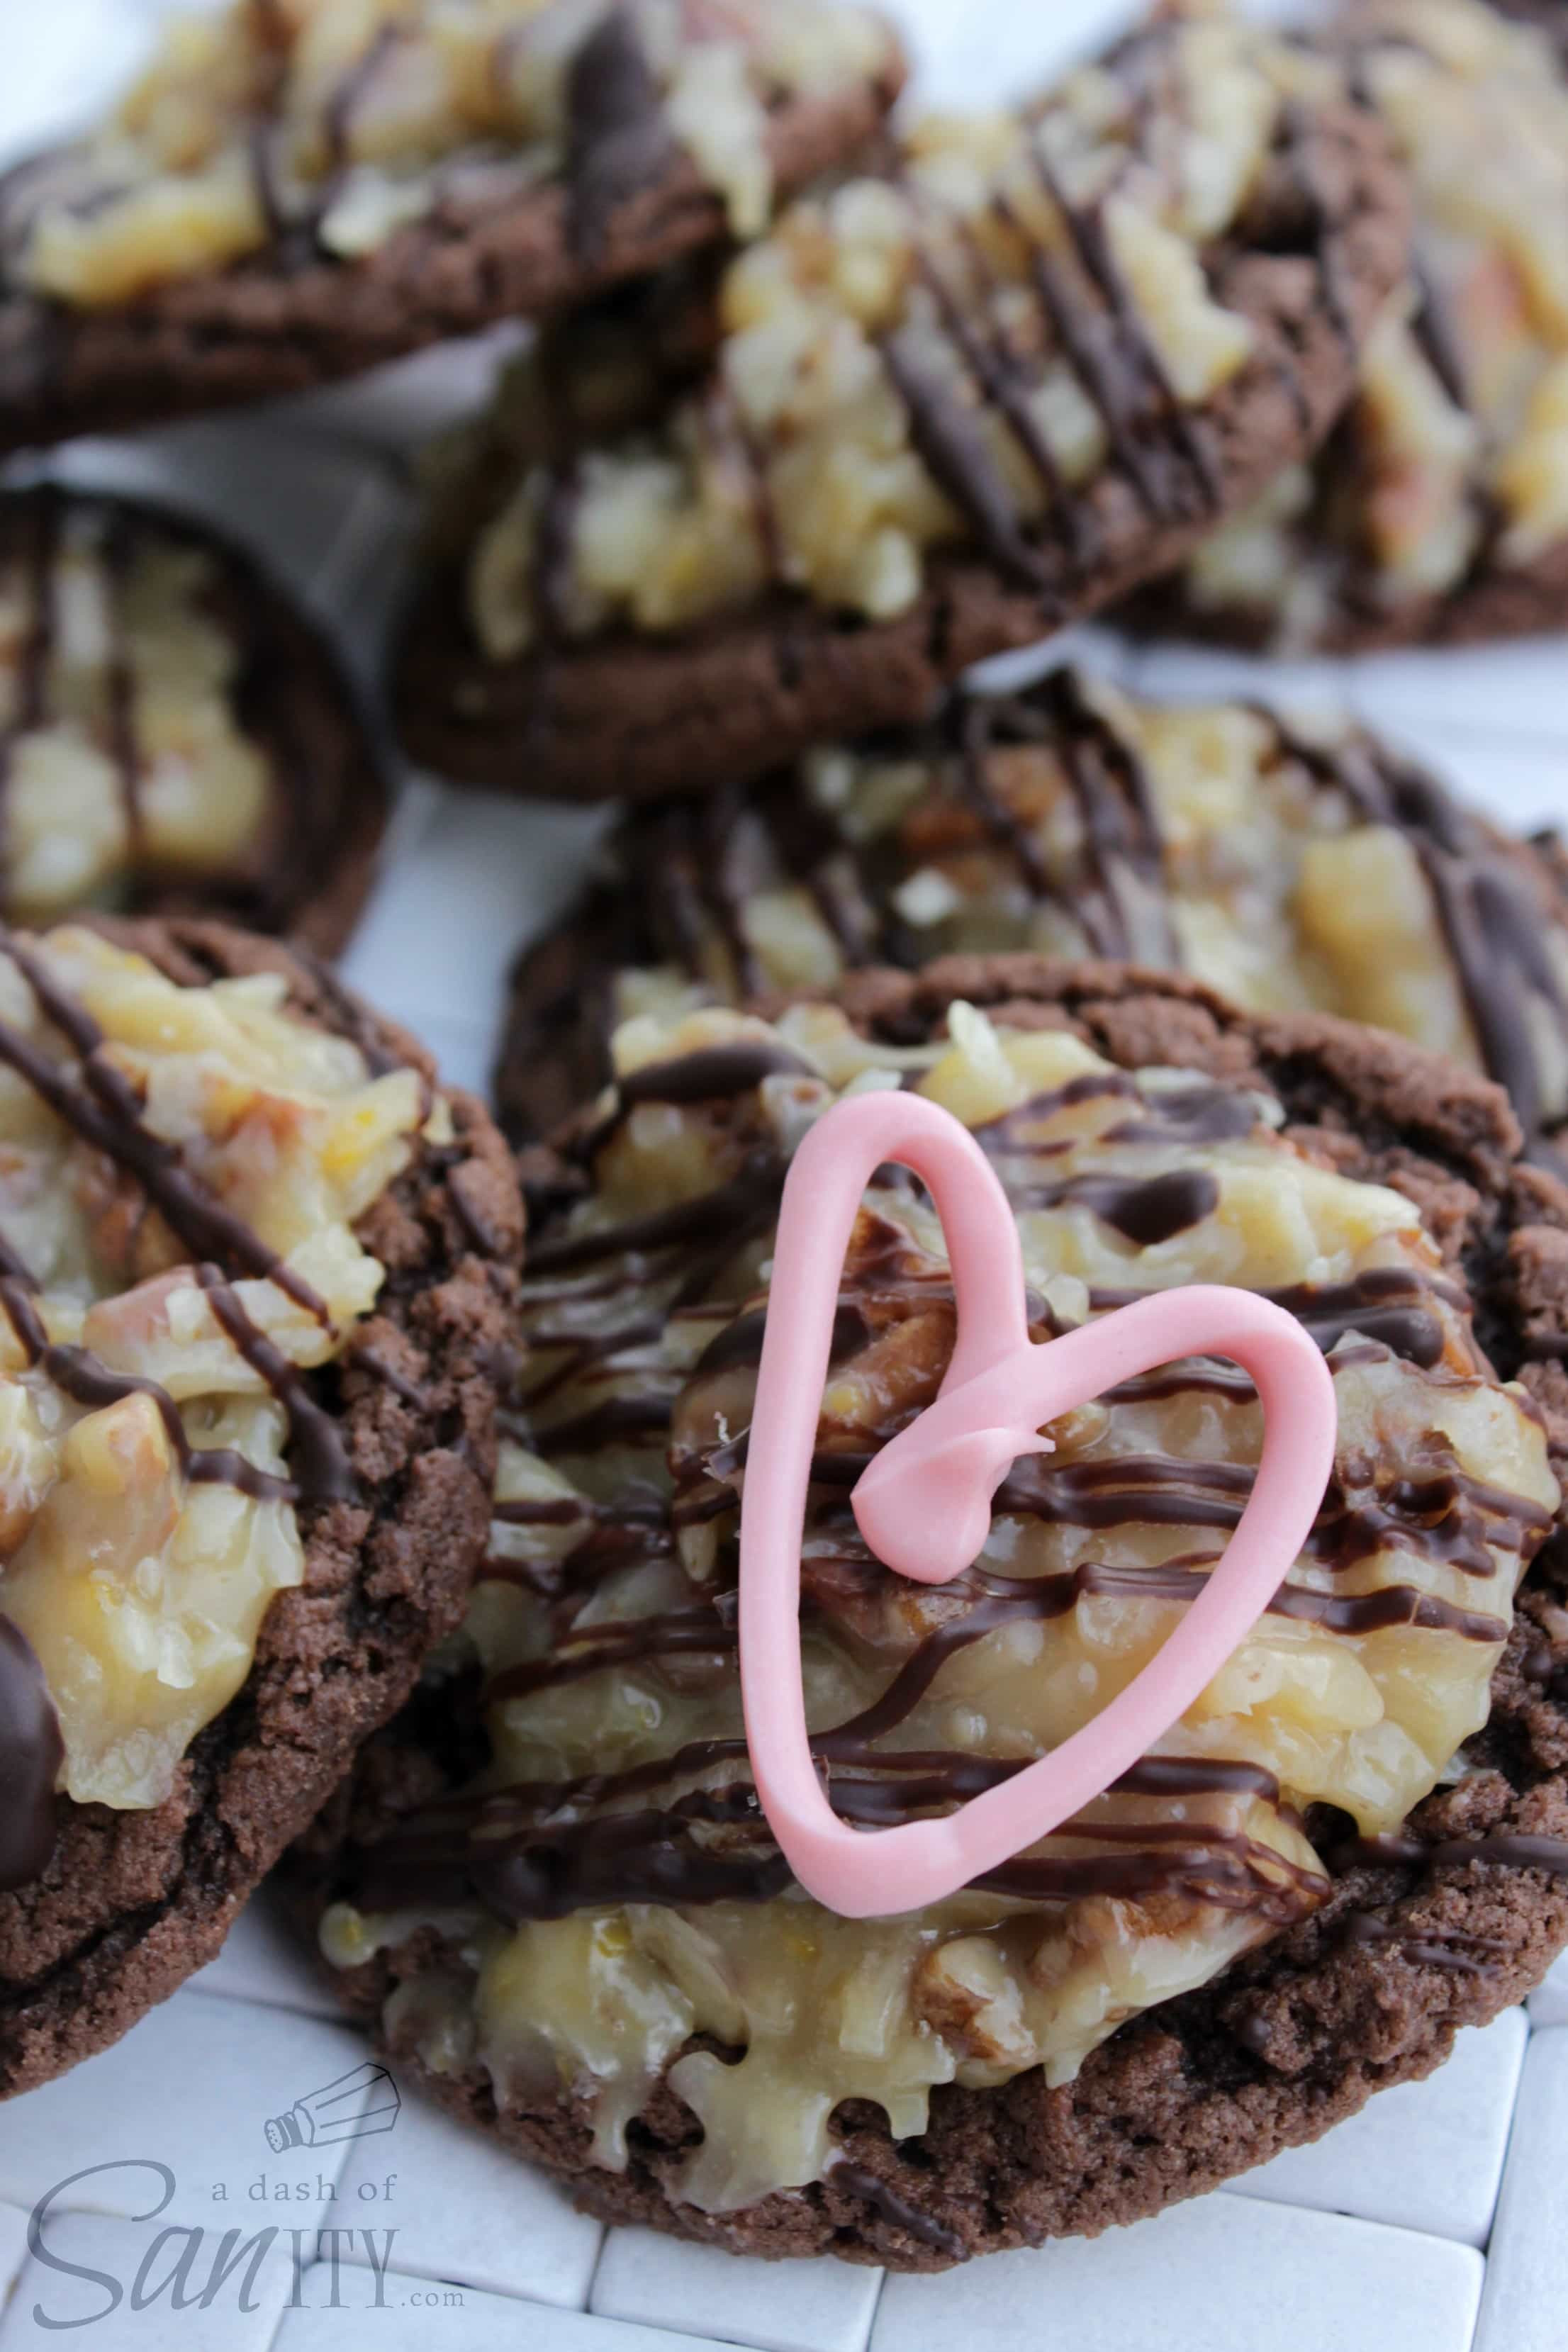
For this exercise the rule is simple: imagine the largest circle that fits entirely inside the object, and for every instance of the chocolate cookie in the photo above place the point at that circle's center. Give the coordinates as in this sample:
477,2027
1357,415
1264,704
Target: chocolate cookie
292,195
175,737
954,407
1438,512
256,1277
1287,865
550,1887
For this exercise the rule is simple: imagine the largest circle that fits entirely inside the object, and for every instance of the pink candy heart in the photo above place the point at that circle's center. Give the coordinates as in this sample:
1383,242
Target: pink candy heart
925,1504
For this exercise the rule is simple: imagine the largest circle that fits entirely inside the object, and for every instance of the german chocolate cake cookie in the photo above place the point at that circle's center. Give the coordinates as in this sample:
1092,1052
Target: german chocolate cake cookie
1068,1894
297,189
1438,510
175,737
1290,864
952,407
255,1280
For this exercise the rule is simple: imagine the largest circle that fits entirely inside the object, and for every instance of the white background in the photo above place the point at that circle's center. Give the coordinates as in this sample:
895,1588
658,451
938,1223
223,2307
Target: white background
1435,2222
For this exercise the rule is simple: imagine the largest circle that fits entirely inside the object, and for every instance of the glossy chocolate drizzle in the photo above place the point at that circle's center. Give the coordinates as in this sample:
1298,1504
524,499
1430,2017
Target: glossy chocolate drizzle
102,1108
40,532
1493,926
619,143
1162,448
32,537
695,869
31,1754
1337,530
686,1828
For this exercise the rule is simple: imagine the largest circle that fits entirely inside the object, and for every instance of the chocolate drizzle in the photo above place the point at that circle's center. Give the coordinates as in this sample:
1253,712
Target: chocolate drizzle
896,2209
83,1377
1147,1211
322,1470
280,870
618,143
685,1827
962,369
687,877
1493,925
104,1112
31,1754
41,538
951,442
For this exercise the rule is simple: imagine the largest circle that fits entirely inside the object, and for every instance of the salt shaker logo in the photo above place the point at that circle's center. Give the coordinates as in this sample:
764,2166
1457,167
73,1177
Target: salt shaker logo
356,2104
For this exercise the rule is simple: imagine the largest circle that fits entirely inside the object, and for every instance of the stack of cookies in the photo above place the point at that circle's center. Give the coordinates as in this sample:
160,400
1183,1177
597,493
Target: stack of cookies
380,1491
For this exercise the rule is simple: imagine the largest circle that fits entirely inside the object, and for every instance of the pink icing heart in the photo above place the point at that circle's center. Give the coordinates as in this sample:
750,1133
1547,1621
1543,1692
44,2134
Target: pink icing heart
925,1504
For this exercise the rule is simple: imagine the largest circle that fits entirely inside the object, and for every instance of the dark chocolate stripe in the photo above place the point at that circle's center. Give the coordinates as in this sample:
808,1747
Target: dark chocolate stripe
1495,933
719,1216
618,143
949,440
714,1073
109,1116
89,1382
45,507
318,1453
1147,1211
31,1754
120,685
895,2209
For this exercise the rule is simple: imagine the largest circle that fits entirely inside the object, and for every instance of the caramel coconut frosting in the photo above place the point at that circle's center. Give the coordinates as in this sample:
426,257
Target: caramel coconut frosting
181,1175
948,353
950,408
295,190
346,121
256,1272
1441,504
600,1918
171,734
1293,864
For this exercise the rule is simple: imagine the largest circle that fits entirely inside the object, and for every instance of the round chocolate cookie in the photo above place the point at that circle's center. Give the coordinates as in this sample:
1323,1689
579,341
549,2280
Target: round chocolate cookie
1289,865
954,407
1438,510
175,737
292,195
256,1277
550,1887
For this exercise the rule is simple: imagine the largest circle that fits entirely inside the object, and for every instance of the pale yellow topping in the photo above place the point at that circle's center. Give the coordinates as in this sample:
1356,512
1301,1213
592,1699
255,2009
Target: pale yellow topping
133,762
1478,108
800,460
142,1590
810,2010
1267,880
367,107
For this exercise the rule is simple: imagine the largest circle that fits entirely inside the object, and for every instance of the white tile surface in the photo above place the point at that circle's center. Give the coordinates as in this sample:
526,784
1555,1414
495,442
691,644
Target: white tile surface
1193,672
464,2210
1284,2281
1550,2005
804,2307
1426,2156
1522,779
1510,689
191,2087
1525,2308
447,921
124,2286
419,2318
13,2246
